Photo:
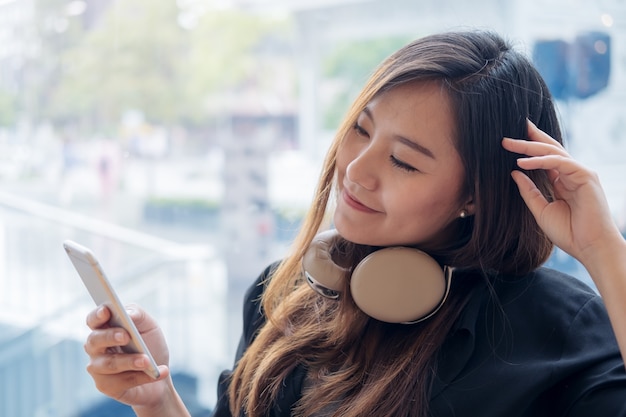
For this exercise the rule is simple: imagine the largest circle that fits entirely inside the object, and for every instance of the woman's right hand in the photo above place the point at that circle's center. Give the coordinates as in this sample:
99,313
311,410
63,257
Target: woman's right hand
120,375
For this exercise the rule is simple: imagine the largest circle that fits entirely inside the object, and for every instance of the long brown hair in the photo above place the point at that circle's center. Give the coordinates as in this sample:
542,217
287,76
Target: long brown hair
356,365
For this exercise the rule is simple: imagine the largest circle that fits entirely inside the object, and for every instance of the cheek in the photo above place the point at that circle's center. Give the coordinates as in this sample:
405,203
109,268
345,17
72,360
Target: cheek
428,214
431,208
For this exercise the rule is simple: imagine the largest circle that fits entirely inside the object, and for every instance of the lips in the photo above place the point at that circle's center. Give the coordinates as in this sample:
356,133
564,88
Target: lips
351,201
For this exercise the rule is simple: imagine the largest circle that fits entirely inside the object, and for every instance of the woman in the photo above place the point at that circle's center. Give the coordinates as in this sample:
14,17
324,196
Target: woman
424,160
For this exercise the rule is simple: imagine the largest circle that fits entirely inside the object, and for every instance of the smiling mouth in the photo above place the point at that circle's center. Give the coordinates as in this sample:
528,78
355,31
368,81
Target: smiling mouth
356,204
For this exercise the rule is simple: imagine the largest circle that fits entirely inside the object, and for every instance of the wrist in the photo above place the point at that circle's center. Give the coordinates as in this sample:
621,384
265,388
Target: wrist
170,404
606,264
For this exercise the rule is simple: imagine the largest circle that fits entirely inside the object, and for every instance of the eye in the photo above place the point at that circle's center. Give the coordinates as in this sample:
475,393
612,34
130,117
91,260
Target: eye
402,165
360,131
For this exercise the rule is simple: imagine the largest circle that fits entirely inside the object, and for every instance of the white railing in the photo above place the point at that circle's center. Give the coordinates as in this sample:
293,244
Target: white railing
43,304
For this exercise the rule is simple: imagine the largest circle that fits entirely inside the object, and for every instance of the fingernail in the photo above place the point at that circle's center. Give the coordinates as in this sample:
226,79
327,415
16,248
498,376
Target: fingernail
139,362
119,336
100,312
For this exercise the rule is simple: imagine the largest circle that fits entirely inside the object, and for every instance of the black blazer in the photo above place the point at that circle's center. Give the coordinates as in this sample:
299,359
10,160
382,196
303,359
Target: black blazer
539,345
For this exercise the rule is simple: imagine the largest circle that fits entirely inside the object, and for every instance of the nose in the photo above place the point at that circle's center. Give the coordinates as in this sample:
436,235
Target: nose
362,170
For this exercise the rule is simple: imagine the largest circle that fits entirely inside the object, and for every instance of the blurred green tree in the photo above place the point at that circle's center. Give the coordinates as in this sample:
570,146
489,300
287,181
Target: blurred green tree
141,58
57,27
130,61
7,109
348,65
228,50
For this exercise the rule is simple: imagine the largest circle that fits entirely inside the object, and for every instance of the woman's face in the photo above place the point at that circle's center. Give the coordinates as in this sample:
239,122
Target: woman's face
399,175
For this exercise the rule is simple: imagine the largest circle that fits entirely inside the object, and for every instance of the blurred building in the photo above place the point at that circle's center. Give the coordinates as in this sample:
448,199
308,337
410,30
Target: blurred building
42,369
594,121
18,41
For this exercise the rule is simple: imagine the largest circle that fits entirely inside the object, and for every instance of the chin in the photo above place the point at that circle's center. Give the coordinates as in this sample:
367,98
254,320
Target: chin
361,237
365,237
349,234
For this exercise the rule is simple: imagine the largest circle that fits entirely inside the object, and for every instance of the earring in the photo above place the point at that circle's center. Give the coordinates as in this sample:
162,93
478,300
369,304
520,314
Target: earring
463,214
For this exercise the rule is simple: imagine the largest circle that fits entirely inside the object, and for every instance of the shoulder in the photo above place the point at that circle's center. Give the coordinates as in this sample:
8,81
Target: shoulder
546,331
544,298
253,316
544,289
546,308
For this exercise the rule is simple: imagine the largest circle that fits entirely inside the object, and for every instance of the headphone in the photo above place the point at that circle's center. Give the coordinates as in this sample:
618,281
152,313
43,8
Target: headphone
394,284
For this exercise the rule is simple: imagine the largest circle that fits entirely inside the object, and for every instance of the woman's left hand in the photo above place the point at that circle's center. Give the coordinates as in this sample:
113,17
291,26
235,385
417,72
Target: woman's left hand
578,220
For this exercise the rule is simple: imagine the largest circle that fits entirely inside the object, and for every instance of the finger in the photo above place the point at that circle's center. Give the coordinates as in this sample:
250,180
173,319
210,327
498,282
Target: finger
98,317
525,147
116,363
553,176
100,340
142,320
117,386
568,169
537,135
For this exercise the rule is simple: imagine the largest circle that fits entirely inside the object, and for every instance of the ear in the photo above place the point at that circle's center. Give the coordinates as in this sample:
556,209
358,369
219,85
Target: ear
469,206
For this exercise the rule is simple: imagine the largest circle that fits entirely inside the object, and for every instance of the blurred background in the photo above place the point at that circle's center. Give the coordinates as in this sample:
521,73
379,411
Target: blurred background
181,142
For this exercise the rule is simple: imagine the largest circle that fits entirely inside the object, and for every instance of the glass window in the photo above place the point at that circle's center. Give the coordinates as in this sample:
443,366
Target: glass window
181,141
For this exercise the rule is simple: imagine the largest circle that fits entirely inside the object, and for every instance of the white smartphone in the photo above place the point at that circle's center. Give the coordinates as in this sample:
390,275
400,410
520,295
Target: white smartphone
102,292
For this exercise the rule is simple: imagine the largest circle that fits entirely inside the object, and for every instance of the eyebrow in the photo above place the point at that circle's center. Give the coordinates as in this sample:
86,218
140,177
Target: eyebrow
406,141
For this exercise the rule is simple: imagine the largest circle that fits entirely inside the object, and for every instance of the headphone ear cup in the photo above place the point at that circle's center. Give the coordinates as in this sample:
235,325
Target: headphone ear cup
399,285
394,285
320,271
